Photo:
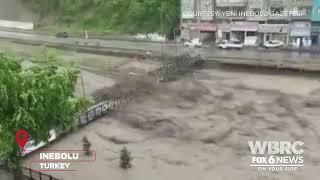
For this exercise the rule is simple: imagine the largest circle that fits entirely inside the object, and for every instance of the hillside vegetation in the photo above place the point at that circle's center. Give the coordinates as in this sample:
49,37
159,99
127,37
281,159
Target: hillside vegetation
115,16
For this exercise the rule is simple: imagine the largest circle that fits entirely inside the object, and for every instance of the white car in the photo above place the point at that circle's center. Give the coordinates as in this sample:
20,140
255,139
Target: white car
31,145
230,45
193,43
273,44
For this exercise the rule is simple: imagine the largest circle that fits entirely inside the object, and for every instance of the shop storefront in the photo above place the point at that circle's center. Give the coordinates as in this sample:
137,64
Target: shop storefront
246,32
315,33
223,32
300,34
268,32
315,23
203,31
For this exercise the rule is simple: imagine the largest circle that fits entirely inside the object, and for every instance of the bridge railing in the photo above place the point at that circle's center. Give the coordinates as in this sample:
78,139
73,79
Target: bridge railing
16,25
102,108
29,174
176,66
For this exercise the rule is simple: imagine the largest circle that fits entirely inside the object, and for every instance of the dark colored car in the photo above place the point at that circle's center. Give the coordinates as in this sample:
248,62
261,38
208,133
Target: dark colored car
62,35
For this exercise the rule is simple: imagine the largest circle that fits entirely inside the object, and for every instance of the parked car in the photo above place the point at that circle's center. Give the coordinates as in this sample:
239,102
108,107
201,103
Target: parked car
230,45
31,145
62,35
193,43
273,44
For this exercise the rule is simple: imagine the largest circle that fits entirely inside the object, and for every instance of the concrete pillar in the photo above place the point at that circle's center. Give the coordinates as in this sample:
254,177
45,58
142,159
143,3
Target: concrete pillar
197,7
86,34
245,36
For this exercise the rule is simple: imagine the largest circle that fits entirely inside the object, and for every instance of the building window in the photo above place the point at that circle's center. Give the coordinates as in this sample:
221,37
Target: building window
305,11
276,9
249,33
223,9
256,10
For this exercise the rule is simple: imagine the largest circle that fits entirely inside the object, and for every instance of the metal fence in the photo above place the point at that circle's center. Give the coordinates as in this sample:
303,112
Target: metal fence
29,174
176,66
101,109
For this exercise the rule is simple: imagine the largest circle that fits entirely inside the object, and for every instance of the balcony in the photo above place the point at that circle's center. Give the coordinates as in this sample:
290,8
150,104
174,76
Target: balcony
304,14
273,28
230,18
231,3
302,3
303,17
257,18
278,18
278,3
231,13
255,3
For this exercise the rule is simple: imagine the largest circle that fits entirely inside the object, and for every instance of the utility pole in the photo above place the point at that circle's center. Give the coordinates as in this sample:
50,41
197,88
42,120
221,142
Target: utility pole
214,9
82,83
176,41
289,23
161,29
164,74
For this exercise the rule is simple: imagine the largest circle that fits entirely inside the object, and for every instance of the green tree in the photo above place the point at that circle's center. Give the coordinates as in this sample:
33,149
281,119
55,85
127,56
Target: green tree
125,158
37,99
128,16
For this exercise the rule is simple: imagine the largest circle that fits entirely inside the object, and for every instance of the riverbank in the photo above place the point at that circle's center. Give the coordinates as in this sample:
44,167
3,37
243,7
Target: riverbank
200,125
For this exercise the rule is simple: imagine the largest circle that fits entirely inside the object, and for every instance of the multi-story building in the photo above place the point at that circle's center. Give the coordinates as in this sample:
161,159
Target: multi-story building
271,27
273,24
276,7
253,30
258,6
195,25
232,25
187,18
231,6
258,29
315,23
300,28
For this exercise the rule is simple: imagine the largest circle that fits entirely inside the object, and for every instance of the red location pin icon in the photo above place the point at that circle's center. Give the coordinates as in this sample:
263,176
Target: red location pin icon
22,138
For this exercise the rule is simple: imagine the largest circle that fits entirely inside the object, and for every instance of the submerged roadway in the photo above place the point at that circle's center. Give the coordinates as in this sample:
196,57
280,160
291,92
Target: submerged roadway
250,53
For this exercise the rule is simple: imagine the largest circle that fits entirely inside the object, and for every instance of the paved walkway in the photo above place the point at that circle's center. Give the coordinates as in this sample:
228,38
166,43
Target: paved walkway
5,175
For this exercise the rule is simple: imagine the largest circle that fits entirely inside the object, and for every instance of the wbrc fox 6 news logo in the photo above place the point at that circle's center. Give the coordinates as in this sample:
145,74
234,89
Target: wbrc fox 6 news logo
276,155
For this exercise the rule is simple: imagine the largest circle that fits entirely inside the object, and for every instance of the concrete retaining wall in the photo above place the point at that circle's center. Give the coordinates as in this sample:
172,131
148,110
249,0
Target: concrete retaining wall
16,25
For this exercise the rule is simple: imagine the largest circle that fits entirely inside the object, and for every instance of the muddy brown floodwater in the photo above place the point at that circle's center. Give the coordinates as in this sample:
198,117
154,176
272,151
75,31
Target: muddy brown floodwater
198,127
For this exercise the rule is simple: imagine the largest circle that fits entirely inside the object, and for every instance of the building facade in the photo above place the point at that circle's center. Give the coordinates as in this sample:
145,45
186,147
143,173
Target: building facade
195,25
300,25
315,23
274,27
297,30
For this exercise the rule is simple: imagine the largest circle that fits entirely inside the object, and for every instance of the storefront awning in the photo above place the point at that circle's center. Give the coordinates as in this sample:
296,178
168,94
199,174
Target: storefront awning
300,29
302,32
244,26
207,27
273,28
224,27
